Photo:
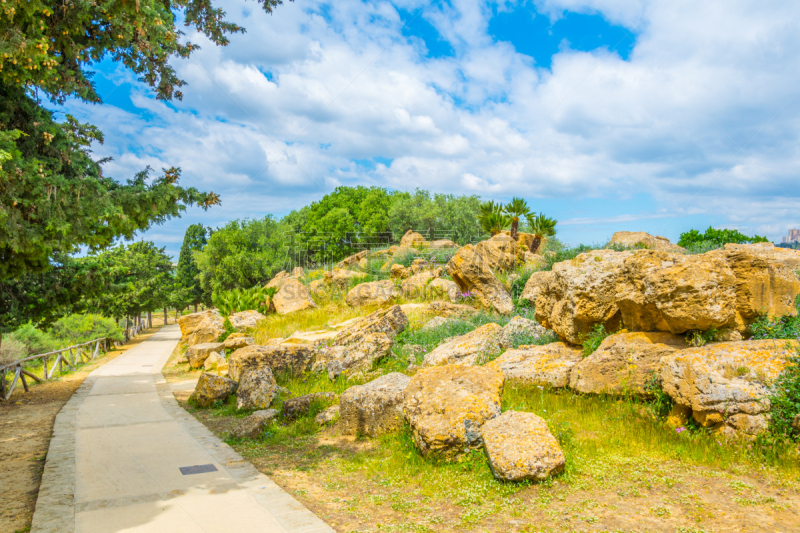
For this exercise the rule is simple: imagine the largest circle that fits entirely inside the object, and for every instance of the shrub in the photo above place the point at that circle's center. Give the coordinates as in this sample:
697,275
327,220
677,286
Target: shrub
518,285
555,252
593,339
696,242
785,401
236,300
228,330
75,329
12,350
35,340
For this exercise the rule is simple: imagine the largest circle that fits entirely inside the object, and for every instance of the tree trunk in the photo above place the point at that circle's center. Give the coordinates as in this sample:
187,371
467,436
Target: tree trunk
514,227
165,316
195,308
149,320
127,328
537,239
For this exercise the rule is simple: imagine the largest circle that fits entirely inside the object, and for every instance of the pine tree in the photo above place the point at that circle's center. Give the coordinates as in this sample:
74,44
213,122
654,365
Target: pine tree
187,277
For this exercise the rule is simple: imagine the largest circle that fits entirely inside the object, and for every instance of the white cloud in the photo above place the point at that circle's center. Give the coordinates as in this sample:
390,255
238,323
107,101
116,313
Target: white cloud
703,116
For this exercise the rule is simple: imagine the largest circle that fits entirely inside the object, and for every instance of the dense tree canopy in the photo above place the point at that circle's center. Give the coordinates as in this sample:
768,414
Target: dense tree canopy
716,238
188,275
442,216
242,254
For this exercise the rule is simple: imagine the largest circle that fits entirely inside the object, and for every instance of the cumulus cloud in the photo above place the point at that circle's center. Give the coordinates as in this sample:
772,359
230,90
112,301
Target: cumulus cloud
702,117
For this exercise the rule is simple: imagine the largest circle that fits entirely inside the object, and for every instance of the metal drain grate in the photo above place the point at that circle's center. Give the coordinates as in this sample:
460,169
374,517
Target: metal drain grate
197,469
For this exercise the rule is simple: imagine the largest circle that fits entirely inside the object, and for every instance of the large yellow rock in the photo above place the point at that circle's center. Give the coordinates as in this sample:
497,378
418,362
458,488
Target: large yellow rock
211,388
500,253
471,273
412,239
292,297
640,239
245,319
766,250
357,358
444,288
624,363
535,284
647,290
278,358
580,294
372,293
416,286
727,385
374,408
520,446
469,349
353,260
446,406
341,278
549,364
189,323
390,321
278,280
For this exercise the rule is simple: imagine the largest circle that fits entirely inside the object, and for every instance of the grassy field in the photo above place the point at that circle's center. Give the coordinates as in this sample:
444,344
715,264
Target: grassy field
626,469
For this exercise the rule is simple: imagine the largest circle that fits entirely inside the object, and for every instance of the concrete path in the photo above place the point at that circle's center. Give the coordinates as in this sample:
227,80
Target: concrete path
115,457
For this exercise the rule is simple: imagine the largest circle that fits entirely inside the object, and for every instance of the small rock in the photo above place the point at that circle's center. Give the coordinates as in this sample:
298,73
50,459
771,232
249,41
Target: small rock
236,341
252,426
328,416
372,293
279,358
519,329
444,288
293,296
257,388
549,364
358,357
520,446
399,271
211,388
245,319
469,349
299,406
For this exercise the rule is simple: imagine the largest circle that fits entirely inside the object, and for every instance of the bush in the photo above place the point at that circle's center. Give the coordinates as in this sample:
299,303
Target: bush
237,300
785,401
35,340
12,350
76,329
593,339
696,242
555,252
518,285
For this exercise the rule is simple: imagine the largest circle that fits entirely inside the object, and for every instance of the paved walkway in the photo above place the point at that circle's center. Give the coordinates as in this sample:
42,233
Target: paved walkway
115,457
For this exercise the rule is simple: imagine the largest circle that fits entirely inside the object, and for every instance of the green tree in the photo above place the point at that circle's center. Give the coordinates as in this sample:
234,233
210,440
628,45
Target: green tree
516,208
715,238
188,275
242,254
541,227
443,215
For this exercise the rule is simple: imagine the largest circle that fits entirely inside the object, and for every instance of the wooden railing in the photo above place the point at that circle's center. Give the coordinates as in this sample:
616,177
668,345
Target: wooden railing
64,356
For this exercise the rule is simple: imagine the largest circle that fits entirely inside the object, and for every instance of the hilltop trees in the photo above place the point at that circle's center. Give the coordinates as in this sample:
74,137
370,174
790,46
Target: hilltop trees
715,238
516,208
438,216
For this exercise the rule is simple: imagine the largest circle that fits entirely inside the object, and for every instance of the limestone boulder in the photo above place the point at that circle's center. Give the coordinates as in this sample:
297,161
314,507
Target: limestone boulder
189,323
198,353
375,407
278,358
390,321
211,388
352,260
520,446
521,330
257,388
472,348
416,286
444,288
499,254
580,294
328,416
245,319
278,280
299,406
471,273
213,361
398,271
411,239
549,364
311,338
640,239
446,406
293,296
341,278
449,309
766,250
534,285
319,289
624,363
441,244
358,357
727,385
252,426
298,273
236,341
372,293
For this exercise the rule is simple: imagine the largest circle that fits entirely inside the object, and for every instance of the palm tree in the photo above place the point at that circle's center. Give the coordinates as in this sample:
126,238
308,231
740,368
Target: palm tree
541,227
516,208
487,208
493,222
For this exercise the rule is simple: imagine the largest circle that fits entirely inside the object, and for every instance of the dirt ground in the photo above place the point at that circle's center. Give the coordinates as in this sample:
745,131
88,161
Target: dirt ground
26,425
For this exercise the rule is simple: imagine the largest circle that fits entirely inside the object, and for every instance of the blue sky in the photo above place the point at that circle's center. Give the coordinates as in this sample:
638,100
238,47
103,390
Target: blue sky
607,115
